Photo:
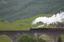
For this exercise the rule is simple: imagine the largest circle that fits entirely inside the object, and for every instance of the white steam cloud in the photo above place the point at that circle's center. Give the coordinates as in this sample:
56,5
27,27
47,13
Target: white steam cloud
59,17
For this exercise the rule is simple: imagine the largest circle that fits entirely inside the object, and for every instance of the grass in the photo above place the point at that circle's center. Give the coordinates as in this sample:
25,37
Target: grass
24,24
4,38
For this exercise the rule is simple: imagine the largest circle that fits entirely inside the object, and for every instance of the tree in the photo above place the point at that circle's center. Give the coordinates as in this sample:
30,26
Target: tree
60,24
59,39
40,40
26,38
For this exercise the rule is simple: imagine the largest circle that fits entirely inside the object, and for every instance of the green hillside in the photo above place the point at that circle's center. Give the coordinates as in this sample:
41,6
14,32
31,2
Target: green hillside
13,10
25,24
3,20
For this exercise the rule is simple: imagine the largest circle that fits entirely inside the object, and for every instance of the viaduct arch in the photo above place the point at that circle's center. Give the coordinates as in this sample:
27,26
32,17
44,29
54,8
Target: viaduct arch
15,35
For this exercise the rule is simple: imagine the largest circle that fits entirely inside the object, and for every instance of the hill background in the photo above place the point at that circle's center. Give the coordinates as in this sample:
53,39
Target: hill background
13,10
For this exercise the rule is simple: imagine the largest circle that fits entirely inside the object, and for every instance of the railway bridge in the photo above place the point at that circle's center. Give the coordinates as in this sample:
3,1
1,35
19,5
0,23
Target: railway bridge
15,35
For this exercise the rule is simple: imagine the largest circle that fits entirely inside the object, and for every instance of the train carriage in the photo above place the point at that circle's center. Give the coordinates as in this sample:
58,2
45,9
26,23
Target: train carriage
47,28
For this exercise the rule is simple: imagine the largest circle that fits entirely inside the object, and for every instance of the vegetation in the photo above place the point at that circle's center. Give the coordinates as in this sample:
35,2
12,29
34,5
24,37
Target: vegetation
46,37
4,21
13,10
60,24
4,38
59,39
24,24
27,38
62,37
40,40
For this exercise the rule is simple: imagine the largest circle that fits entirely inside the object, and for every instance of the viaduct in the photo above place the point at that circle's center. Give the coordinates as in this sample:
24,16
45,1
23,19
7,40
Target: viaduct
15,35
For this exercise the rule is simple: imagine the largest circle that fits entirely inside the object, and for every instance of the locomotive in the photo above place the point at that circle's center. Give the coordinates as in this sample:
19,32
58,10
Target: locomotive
47,28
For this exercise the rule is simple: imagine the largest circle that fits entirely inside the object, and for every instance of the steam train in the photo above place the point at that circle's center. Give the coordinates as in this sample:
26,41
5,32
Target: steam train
46,28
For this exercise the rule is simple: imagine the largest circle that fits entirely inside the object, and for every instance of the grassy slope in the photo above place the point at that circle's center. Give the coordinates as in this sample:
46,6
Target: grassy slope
4,24
13,10
25,24
18,25
4,38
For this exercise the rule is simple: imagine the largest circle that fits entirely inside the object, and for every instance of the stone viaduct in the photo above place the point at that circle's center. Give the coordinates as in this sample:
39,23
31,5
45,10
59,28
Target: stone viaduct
15,35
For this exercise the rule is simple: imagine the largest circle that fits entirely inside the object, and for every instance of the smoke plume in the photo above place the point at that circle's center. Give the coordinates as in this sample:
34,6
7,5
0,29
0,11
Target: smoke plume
54,19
